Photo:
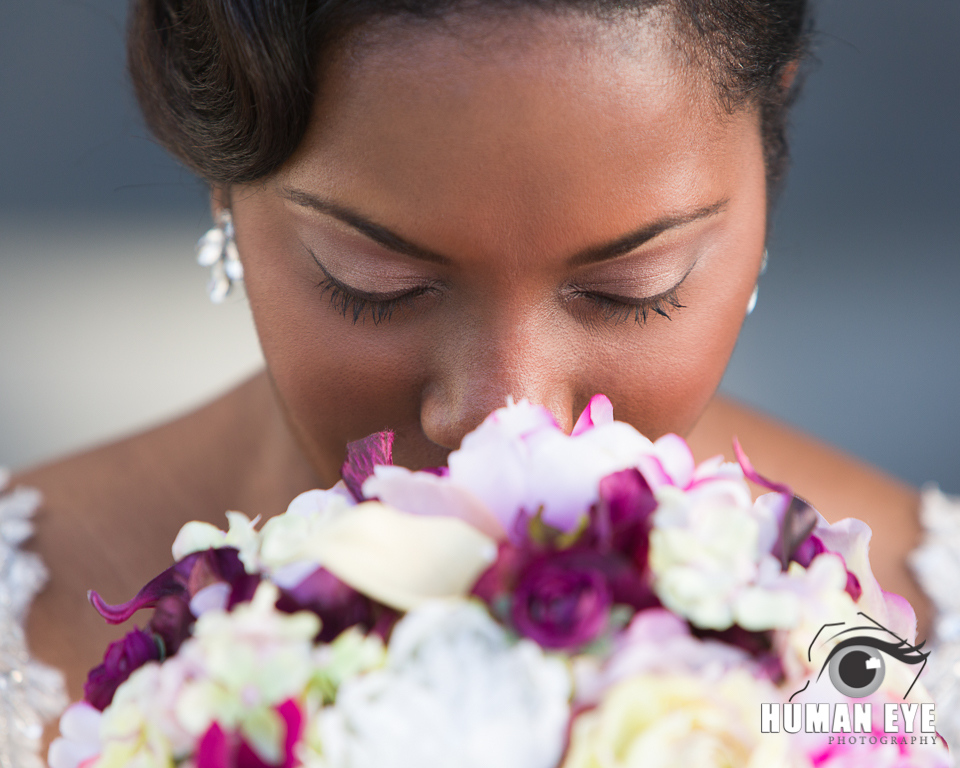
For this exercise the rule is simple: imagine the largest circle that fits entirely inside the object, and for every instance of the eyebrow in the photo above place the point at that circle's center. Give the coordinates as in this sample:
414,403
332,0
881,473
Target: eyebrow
591,255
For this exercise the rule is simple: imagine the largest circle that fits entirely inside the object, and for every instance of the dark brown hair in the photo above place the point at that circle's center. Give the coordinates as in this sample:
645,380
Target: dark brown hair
227,86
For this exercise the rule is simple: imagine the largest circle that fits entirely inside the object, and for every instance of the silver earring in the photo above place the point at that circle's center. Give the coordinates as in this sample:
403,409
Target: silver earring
218,250
752,303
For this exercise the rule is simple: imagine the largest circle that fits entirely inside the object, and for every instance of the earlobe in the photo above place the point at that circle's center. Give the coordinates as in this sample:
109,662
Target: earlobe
220,201
789,76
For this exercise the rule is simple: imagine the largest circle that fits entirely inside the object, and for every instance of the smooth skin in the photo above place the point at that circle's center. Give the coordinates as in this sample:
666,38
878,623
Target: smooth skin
522,193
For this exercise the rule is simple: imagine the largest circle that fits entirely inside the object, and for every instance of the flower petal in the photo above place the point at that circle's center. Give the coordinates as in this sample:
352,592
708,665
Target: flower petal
196,536
850,538
598,411
401,559
424,493
171,582
676,458
123,658
751,474
362,456
213,750
79,739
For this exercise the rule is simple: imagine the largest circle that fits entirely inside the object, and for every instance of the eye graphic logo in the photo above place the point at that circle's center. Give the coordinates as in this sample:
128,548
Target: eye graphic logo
856,665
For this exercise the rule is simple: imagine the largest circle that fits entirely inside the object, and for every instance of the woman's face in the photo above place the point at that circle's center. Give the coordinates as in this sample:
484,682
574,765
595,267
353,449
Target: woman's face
544,208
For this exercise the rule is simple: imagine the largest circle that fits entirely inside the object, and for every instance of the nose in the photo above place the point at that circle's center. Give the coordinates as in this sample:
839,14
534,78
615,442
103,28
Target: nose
477,372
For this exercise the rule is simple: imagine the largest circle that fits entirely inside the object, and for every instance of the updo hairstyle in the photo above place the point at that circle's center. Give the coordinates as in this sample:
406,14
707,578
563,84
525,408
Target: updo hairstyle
227,86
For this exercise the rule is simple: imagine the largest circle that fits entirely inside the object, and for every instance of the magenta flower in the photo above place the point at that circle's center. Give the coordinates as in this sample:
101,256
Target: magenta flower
120,661
362,456
221,749
561,605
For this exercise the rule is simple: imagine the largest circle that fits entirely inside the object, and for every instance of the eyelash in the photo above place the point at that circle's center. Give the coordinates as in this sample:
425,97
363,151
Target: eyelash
619,309
347,301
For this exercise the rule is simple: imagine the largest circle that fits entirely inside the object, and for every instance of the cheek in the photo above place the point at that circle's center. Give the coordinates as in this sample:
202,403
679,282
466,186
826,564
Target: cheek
663,381
336,382
661,377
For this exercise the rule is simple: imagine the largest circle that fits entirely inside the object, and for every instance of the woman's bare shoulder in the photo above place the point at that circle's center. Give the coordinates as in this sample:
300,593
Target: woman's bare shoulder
837,484
110,514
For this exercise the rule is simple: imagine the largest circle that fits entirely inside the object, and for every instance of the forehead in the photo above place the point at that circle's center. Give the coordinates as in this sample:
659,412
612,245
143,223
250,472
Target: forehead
538,122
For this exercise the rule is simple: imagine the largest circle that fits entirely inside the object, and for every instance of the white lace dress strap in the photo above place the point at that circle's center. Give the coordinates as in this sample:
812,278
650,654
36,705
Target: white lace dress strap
30,693
936,563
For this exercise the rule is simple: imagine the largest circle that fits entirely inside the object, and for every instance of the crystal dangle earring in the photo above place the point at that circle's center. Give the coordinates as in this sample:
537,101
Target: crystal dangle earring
218,250
752,303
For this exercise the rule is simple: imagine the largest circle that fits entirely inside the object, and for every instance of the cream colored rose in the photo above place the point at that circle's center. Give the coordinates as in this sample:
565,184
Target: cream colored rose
681,721
703,552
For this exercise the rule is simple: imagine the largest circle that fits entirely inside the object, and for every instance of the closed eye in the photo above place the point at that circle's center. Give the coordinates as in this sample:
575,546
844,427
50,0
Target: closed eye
616,308
358,304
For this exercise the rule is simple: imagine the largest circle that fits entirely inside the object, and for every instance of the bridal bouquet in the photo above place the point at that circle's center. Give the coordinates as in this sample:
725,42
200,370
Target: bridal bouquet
592,600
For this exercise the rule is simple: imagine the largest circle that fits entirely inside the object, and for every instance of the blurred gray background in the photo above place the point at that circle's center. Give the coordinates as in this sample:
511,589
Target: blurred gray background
105,328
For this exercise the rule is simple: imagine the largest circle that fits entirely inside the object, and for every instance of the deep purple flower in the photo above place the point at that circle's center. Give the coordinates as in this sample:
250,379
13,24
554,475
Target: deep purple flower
362,456
122,658
499,581
171,623
171,583
561,605
183,580
338,605
620,520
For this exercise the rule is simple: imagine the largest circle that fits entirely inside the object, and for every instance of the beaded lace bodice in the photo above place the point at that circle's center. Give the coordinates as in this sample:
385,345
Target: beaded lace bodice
31,693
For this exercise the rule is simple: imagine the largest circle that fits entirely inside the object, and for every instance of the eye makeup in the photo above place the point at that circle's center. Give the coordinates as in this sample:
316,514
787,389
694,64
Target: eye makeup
619,309
356,304
633,286
365,279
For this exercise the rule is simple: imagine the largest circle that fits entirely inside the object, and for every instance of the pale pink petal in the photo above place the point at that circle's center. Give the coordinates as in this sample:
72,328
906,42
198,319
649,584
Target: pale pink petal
901,618
310,503
79,740
850,538
653,472
565,472
657,641
516,420
68,754
598,411
494,470
676,459
423,493
214,597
